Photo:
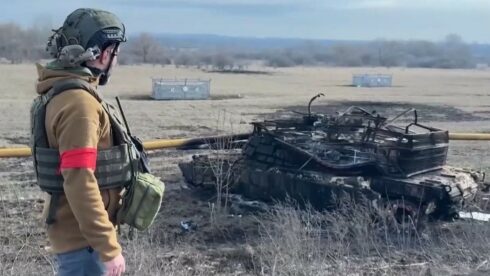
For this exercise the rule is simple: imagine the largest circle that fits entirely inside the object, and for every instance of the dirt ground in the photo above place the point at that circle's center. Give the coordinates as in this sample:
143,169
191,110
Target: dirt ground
457,100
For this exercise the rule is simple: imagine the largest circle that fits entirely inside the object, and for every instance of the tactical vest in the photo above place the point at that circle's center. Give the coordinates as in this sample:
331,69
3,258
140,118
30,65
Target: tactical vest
115,166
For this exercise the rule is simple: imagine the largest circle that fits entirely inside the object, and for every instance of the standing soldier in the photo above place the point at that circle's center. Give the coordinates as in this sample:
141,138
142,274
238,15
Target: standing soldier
74,145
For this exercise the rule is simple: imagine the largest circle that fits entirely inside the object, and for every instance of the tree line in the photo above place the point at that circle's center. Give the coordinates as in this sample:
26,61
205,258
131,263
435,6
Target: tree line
19,45
22,45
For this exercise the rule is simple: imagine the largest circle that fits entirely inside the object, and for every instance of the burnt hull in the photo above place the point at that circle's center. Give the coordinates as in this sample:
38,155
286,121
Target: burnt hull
357,156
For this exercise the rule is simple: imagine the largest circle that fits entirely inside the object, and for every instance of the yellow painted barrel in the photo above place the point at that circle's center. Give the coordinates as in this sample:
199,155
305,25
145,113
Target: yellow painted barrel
183,142
15,152
470,136
149,145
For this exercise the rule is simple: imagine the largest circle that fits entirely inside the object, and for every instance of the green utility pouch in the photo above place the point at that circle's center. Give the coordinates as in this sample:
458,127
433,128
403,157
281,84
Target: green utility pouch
141,201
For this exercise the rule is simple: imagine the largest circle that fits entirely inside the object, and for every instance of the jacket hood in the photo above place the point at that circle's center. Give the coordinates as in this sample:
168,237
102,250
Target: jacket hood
52,72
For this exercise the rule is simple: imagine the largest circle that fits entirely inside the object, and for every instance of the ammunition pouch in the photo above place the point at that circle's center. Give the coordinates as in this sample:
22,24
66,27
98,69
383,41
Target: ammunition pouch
141,201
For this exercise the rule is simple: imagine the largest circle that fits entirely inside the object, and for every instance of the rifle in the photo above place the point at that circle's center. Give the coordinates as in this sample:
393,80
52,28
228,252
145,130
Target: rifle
144,161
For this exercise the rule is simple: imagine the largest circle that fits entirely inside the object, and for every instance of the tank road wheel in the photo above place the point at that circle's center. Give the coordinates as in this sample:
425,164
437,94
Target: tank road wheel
405,215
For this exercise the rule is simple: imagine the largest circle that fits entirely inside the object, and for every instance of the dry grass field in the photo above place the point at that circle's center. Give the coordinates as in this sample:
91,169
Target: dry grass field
284,240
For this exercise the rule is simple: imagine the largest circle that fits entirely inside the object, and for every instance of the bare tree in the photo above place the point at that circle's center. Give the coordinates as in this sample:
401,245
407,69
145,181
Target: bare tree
19,45
455,53
222,61
146,49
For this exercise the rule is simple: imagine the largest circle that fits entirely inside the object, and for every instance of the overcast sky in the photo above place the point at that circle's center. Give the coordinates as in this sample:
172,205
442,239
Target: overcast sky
332,19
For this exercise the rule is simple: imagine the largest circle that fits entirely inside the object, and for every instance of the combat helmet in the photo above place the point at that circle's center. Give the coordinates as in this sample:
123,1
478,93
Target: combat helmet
84,35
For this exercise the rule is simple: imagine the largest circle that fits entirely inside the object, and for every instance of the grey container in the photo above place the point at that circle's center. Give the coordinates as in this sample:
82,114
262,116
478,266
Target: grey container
181,89
369,80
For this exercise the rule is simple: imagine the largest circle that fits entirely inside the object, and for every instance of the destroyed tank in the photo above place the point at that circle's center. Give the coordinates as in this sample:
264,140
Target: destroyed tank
319,159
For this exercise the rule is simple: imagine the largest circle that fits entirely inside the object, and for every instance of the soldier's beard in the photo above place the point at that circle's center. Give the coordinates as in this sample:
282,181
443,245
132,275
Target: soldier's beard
106,74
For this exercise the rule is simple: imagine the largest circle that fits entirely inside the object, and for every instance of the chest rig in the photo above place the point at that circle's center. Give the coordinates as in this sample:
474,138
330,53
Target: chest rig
115,166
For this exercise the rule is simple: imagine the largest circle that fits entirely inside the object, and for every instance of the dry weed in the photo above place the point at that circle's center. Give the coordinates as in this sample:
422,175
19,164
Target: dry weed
22,252
349,242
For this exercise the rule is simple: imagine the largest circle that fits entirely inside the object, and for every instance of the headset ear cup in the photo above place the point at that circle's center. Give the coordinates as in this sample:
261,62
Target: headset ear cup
96,52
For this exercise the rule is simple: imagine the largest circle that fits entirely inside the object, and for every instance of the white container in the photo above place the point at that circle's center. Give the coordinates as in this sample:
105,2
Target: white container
181,89
372,80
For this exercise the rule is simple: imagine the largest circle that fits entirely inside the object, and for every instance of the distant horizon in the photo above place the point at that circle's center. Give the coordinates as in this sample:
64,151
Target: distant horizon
273,37
349,20
308,39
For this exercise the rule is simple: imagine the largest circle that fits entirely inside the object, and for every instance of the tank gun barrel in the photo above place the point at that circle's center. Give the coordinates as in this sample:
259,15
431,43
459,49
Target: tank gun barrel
186,143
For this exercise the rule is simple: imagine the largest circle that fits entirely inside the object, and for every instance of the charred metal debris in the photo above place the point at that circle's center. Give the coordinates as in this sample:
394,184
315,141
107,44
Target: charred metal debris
322,158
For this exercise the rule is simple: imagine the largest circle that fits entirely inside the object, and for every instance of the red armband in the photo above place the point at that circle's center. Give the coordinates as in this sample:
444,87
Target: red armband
84,158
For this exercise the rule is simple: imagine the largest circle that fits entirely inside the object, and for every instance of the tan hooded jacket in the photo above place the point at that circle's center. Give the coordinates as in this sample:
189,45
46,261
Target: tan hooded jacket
75,120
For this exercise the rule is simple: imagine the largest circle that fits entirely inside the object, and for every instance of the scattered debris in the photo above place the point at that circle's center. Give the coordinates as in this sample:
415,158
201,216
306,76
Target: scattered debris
475,216
242,206
188,225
